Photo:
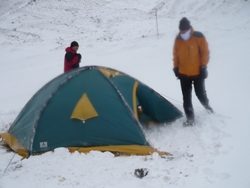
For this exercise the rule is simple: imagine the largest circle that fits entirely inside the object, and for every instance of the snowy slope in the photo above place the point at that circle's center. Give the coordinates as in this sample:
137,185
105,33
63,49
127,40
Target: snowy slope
122,34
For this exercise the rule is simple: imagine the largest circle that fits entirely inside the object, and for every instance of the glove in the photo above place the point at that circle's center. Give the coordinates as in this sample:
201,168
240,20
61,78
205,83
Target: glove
203,72
79,56
176,72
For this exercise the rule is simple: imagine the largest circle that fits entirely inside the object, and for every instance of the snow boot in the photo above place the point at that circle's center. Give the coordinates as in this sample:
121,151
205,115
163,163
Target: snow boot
189,122
209,109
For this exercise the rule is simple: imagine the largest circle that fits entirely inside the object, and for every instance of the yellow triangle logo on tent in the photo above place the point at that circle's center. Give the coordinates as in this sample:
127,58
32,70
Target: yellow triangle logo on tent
84,109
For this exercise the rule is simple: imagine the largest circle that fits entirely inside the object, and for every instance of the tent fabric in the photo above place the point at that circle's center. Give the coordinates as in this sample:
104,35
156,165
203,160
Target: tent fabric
14,144
88,108
84,109
154,105
128,92
124,149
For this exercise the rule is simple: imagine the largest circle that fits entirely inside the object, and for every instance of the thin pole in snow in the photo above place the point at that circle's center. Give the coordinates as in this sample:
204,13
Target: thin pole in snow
156,8
156,23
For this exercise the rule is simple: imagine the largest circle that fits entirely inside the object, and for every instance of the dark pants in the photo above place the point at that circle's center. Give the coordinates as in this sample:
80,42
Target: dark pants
200,91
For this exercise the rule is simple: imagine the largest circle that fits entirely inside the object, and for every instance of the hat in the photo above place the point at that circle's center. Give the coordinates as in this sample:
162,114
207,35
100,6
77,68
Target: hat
184,24
74,43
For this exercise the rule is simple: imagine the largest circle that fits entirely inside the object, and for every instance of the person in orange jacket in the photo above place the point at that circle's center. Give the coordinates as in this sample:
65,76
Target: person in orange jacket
72,58
190,57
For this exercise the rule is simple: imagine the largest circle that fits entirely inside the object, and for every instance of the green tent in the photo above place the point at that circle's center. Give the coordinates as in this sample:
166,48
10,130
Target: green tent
90,108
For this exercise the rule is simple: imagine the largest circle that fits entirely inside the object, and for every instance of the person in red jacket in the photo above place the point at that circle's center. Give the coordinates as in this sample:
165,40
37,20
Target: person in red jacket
72,58
191,56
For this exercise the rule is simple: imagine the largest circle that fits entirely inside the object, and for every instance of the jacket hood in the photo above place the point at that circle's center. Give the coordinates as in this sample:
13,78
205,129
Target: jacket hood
69,49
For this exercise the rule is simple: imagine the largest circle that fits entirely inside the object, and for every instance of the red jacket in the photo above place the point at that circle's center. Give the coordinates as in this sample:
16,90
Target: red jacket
71,59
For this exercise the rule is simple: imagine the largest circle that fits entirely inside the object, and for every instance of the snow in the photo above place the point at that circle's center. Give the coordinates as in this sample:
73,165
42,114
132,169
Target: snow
122,35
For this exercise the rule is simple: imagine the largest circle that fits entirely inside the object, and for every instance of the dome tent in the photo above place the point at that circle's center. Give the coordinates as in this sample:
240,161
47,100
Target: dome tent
89,108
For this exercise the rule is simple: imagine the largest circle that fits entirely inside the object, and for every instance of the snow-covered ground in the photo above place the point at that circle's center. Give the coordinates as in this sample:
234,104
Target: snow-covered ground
122,34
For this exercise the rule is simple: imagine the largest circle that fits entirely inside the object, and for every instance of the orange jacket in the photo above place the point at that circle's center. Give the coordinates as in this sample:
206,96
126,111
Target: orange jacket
191,54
